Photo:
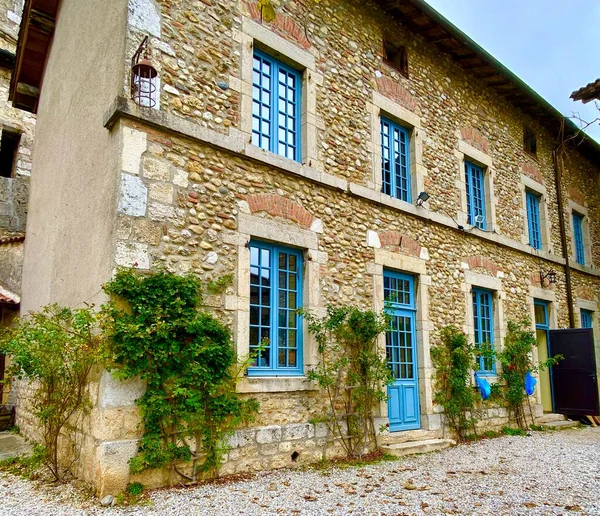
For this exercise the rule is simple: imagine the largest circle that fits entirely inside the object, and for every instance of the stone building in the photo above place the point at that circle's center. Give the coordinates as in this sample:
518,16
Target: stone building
298,149
16,143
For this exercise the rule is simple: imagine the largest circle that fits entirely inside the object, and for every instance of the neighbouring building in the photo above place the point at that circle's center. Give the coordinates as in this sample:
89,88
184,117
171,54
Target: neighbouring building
294,155
16,143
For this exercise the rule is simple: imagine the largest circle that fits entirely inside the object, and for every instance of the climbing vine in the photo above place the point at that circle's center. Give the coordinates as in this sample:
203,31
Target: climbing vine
454,362
516,362
157,332
352,371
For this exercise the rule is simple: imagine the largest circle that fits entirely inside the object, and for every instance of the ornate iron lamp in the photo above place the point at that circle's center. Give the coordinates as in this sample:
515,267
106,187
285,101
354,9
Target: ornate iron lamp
143,75
550,275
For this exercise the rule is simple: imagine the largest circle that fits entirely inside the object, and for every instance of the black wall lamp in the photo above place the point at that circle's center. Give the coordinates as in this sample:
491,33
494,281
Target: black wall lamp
423,196
551,275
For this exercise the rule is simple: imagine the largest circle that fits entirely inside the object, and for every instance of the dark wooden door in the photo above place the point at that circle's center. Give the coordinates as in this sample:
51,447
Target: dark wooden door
574,383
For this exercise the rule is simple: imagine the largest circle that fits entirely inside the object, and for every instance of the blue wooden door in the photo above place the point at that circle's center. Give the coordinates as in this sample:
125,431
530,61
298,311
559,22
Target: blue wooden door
403,402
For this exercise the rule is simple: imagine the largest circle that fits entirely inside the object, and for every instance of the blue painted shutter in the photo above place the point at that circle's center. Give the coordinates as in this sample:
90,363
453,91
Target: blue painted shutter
483,322
533,220
275,296
395,161
276,102
475,195
578,235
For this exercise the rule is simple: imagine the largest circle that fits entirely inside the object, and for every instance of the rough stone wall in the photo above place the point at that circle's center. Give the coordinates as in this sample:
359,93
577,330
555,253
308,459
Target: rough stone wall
182,199
14,191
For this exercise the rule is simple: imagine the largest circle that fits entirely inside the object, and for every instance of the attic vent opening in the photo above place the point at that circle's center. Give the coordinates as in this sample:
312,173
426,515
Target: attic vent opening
395,56
529,141
9,144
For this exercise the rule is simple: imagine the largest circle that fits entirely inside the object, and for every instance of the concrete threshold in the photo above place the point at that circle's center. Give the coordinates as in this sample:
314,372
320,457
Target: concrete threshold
561,425
412,447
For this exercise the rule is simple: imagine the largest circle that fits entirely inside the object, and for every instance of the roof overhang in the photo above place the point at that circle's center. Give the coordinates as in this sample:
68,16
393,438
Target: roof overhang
35,38
422,19
588,93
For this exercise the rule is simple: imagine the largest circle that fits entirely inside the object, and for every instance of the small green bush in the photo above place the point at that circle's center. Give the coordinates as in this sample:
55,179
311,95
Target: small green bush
55,349
454,362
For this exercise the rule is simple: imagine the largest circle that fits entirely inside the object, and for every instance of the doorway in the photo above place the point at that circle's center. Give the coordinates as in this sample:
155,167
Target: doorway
542,331
403,401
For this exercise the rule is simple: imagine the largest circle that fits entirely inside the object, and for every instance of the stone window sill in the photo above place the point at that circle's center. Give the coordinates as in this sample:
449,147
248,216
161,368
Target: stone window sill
254,384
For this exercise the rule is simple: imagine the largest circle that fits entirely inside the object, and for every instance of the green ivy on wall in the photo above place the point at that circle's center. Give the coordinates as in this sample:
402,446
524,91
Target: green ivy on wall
157,332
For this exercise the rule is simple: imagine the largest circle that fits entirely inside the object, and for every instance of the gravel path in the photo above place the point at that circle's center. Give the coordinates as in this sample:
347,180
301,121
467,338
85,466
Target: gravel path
547,473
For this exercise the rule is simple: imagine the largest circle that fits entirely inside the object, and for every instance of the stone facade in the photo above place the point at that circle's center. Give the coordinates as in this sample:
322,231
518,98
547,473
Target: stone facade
193,191
14,190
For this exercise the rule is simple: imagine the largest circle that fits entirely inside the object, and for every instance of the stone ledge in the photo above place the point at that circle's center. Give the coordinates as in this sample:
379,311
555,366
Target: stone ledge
255,384
235,143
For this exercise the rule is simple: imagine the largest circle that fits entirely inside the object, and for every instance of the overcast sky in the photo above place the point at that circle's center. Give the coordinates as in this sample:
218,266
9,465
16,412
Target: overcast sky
552,45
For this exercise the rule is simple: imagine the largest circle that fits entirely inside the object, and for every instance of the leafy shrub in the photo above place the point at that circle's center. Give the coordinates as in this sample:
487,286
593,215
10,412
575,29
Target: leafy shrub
55,349
353,372
516,361
454,362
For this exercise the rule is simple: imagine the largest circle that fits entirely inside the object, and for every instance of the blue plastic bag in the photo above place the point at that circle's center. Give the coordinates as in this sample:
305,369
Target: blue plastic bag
484,387
530,382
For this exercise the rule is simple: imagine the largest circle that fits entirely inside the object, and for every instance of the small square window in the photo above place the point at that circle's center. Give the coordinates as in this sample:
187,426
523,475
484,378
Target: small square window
396,56
9,144
529,141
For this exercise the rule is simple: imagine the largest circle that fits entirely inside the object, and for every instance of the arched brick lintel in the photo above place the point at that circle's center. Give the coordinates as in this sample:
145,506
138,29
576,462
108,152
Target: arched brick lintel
475,138
279,206
482,262
282,24
403,242
394,91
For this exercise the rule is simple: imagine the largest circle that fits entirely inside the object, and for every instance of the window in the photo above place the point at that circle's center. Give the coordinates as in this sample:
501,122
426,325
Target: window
275,297
578,238
483,323
395,160
529,141
475,195
398,292
533,220
276,107
395,56
586,318
9,144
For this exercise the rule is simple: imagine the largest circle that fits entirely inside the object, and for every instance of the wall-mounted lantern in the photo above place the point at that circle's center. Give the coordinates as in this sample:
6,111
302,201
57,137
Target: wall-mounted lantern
550,275
143,77
423,197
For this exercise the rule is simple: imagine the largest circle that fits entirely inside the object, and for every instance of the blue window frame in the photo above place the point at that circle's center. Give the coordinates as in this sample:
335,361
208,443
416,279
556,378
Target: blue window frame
483,322
395,160
475,195
276,106
586,318
533,220
578,238
399,295
275,297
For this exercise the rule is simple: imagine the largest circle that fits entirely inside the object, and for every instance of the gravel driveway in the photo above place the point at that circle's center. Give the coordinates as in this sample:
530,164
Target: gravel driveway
547,473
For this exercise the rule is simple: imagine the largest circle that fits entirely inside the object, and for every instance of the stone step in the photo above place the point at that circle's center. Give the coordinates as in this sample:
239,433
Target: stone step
12,445
549,418
412,447
561,425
